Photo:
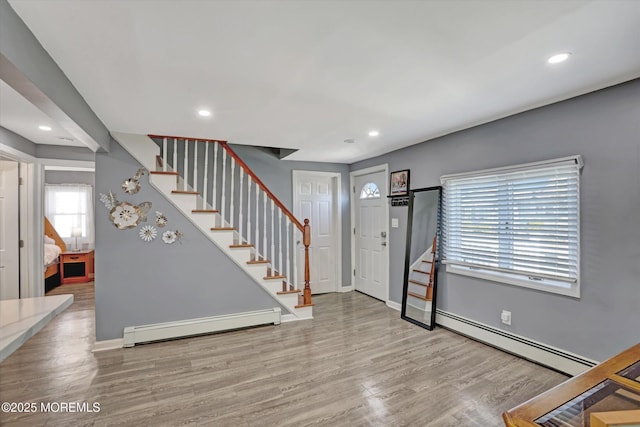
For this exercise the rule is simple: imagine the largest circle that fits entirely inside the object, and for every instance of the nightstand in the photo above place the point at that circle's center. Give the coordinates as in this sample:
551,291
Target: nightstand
75,266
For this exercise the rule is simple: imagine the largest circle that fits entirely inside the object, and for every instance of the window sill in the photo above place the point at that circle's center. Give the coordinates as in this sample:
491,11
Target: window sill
554,287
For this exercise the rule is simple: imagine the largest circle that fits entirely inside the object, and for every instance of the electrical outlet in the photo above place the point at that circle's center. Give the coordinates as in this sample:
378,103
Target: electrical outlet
505,316
394,223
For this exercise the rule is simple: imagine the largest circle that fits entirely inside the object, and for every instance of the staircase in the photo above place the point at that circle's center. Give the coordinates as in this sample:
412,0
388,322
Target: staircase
420,286
212,187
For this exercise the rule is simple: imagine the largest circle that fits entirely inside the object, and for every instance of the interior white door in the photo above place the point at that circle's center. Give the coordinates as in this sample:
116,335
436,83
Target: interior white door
315,199
371,263
9,232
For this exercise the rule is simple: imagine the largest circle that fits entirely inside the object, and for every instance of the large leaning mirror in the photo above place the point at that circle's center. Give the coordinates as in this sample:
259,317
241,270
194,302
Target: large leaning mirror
421,259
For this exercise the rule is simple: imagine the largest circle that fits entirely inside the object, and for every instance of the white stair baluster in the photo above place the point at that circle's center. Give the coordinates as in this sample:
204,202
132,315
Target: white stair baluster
264,222
257,238
287,222
175,155
294,279
214,200
273,237
249,240
232,218
205,180
195,165
240,206
164,154
223,189
185,172
280,240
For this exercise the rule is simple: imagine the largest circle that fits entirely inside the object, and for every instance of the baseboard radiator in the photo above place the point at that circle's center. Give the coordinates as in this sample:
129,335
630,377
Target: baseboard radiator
185,328
543,354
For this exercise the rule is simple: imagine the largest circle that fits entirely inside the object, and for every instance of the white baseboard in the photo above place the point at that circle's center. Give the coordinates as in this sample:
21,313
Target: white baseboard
346,288
526,348
204,325
108,345
394,305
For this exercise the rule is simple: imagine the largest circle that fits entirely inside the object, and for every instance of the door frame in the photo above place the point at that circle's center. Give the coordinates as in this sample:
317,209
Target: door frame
31,224
337,216
352,202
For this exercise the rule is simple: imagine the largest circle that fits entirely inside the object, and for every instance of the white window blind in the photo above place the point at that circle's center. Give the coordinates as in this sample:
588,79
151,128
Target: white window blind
520,223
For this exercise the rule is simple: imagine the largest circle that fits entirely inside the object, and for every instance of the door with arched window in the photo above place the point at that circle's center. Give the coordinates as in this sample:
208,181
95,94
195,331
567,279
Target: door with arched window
370,234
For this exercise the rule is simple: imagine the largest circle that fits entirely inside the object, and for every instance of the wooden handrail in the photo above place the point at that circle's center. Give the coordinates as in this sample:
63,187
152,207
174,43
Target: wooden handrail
306,240
264,188
247,169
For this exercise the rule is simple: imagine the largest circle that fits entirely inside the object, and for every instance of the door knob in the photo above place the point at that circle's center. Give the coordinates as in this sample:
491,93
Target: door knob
383,234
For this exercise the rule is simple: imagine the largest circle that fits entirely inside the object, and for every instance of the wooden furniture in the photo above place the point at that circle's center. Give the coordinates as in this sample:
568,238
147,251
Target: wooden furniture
613,385
76,266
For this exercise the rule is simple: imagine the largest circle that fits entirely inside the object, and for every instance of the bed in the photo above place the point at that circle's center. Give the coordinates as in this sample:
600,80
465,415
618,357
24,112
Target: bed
53,247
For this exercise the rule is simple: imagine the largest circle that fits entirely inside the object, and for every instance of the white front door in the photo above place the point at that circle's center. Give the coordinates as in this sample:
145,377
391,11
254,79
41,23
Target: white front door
370,226
315,198
9,234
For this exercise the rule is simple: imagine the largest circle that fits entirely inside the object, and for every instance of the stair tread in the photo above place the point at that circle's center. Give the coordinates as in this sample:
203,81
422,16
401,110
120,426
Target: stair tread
295,291
222,229
258,261
184,192
204,211
242,245
416,282
418,296
428,262
304,305
274,277
163,173
421,271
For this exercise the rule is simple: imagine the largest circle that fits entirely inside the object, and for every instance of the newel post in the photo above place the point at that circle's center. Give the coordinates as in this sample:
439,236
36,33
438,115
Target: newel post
306,240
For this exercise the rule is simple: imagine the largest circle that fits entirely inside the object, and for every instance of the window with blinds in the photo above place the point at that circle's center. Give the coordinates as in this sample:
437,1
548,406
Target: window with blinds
518,225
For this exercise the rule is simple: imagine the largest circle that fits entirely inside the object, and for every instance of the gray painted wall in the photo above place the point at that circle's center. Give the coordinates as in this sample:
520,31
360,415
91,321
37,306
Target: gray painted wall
277,175
603,127
64,153
17,142
140,283
69,177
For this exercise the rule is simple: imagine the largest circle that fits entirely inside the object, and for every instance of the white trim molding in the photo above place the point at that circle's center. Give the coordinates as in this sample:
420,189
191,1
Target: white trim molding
535,351
349,288
108,345
395,305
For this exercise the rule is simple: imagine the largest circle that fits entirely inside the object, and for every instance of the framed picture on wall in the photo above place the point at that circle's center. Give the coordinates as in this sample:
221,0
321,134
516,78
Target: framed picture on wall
399,183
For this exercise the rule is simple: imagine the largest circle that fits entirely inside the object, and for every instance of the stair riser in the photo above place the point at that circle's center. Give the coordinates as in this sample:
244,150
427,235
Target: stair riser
164,183
185,202
240,254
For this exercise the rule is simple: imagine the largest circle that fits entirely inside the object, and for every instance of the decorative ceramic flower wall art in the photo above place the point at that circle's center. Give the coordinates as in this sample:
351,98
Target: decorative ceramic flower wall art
109,200
171,236
132,185
161,219
148,233
125,215
144,207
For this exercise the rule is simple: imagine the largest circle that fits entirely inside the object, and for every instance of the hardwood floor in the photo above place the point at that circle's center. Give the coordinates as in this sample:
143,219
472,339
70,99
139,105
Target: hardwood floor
356,364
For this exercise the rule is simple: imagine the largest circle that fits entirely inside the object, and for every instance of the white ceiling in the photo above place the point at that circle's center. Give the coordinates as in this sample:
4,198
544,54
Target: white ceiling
22,117
311,74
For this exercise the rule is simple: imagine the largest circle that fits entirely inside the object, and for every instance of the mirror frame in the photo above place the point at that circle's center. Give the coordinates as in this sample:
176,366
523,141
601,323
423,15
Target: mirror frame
407,258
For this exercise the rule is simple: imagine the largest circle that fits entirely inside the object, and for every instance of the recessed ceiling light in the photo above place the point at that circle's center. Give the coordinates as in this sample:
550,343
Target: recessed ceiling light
204,113
350,141
374,133
558,58
44,128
